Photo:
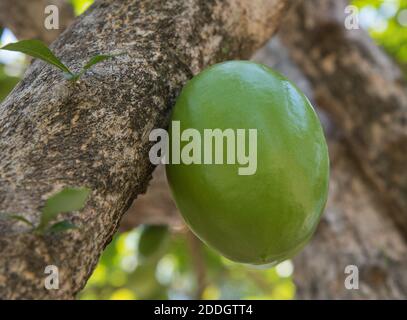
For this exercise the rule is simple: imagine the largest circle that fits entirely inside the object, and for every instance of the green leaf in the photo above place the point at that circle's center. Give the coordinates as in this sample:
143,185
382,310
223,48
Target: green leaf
20,218
152,241
61,226
97,59
37,49
94,60
72,76
67,200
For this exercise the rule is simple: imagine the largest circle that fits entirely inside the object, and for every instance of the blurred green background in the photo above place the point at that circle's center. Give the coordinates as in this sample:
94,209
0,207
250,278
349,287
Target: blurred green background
154,263
179,267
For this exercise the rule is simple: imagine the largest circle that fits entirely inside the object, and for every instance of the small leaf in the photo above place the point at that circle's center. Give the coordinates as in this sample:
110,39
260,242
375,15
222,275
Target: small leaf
37,49
61,226
72,76
96,59
20,218
67,200
68,76
99,58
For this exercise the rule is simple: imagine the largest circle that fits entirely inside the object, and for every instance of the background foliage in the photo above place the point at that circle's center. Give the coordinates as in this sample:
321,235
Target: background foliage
178,266
386,22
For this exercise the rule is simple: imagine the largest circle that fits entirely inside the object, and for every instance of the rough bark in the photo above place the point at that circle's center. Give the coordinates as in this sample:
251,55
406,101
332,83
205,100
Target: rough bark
26,18
363,90
365,223
354,231
94,133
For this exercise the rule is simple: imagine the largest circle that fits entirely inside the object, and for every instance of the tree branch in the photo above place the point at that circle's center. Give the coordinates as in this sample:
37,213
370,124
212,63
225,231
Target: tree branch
95,133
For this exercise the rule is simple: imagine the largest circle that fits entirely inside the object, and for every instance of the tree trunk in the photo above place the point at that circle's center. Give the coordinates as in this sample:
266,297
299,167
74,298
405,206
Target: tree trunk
362,89
355,230
365,223
94,133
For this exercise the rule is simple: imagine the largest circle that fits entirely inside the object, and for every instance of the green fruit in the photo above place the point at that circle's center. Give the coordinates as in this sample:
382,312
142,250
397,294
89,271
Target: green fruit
266,217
